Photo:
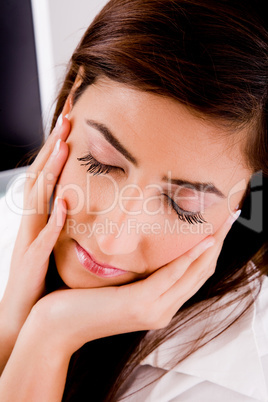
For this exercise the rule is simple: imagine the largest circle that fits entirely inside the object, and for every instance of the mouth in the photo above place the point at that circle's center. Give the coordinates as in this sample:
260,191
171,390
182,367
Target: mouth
89,263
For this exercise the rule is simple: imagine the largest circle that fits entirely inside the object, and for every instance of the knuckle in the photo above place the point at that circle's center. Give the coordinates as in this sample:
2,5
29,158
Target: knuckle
175,276
29,201
30,176
186,297
42,242
30,179
189,257
206,273
202,275
212,271
212,268
156,320
149,315
48,146
144,317
160,322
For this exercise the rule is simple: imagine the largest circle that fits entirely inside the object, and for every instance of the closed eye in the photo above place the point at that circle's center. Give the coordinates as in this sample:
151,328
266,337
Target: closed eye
95,167
186,216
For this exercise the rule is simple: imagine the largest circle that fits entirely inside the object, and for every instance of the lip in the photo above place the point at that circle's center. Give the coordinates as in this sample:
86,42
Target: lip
88,262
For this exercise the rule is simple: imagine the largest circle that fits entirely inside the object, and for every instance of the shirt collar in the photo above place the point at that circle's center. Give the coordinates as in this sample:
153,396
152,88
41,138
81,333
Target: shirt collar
231,360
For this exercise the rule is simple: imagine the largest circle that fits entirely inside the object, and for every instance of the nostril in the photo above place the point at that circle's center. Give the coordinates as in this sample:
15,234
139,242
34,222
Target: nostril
122,242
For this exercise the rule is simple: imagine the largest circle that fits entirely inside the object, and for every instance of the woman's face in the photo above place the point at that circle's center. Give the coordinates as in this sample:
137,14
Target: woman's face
175,179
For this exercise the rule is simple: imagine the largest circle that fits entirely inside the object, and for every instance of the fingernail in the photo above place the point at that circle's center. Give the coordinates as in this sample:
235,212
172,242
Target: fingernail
209,244
59,121
67,116
59,212
56,148
234,217
55,204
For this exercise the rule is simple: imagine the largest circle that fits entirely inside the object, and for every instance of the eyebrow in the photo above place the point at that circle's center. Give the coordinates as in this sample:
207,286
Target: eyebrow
202,187
106,132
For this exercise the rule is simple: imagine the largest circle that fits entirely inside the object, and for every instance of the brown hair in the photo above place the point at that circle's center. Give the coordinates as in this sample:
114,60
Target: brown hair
211,56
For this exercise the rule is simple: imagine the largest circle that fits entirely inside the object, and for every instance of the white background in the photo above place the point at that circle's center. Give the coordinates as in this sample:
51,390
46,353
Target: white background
58,27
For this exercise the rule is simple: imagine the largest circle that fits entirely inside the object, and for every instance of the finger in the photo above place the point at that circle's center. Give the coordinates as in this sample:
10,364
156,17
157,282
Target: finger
203,253
35,261
61,131
224,229
36,209
165,277
199,271
42,246
220,236
186,287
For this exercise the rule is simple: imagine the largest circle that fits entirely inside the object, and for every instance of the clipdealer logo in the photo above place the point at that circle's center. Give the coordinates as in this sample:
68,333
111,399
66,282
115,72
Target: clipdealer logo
130,226
253,221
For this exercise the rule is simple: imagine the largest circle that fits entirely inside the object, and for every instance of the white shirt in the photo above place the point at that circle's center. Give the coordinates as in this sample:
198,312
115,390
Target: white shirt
232,367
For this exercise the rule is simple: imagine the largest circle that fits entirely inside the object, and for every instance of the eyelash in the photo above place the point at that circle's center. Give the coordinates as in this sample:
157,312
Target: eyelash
183,215
96,168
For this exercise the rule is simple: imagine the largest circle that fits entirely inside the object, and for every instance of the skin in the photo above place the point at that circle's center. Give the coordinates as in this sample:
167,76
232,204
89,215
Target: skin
41,332
149,120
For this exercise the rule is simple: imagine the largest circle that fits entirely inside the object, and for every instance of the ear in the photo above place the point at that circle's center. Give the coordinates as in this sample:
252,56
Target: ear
68,106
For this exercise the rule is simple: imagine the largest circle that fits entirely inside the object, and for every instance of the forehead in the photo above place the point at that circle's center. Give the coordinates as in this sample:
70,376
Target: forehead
164,135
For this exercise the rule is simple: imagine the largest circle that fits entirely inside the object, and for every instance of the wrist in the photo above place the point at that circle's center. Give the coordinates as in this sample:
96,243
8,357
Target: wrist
8,336
67,319
8,324
44,332
46,366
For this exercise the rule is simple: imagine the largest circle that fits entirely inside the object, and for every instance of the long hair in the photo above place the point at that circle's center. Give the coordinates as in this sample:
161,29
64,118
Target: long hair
212,57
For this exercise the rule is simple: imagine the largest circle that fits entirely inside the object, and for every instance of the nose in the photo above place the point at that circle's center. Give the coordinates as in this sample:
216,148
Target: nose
121,228
119,239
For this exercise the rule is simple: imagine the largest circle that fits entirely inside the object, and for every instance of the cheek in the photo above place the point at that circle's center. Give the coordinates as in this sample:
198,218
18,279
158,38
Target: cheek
179,237
85,193
169,246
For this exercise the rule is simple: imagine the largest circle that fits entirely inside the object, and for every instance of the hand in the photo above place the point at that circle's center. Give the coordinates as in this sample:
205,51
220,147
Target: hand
37,234
70,318
65,320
